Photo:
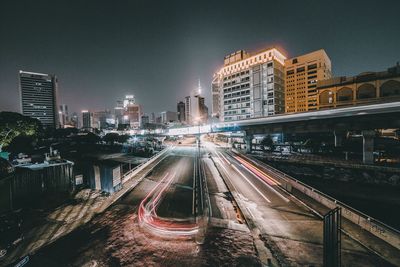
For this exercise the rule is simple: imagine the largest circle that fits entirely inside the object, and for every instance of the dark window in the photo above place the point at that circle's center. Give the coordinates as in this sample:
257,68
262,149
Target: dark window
312,66
312,72
301,69
294,61
269,64
289,72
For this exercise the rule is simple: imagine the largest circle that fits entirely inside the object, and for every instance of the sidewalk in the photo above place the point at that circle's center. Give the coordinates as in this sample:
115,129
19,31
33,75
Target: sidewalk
48,227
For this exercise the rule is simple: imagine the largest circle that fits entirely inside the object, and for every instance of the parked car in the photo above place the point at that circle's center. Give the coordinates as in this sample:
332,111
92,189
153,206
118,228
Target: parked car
10,232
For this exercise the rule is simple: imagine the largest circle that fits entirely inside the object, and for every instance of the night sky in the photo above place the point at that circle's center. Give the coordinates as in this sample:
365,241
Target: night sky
157,50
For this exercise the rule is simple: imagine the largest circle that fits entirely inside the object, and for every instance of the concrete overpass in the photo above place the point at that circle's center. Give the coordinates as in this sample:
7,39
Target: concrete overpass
365,118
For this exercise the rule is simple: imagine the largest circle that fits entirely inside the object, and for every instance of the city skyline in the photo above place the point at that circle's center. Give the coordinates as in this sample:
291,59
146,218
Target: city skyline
199,133
103,59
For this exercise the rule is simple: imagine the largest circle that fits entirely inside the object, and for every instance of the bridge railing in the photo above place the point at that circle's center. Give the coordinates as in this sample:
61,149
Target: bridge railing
128,175
368,223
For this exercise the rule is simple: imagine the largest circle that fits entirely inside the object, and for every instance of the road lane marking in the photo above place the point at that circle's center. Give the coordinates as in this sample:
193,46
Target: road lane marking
255,188
269,186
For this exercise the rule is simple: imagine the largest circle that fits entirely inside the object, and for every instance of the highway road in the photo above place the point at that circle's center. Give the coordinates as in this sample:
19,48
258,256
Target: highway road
245,205
116,238
291,231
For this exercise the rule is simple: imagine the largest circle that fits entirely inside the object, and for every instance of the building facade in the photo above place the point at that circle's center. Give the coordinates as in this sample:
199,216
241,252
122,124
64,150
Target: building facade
168,116
180,108
74,121
188,109
365,88
63,116
302,74
249,86
38,94
144,121
99,120
87,119
133,113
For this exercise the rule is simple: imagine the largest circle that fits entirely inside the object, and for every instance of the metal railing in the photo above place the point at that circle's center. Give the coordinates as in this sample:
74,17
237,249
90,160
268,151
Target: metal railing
374,226
127,176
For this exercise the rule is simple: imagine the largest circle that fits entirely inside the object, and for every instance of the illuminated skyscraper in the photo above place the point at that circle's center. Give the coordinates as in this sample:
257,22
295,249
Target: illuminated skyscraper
38,93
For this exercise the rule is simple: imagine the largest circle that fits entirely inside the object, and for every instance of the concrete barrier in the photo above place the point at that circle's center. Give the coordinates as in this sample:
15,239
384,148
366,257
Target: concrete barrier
128,175
374,226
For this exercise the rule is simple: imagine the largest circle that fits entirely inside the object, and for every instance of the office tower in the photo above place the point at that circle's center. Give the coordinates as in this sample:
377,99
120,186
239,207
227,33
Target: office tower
133,113
199,110
145,120
168,116
152,118
63,117
38,93
87,119
181,112
99,119
302,74
188,108
249,85
75,120
216,97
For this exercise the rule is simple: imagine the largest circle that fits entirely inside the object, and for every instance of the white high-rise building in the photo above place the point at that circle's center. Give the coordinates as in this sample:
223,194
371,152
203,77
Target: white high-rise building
249,85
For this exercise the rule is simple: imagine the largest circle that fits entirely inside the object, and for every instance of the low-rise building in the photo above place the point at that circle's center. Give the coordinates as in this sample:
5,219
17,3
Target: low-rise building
365,88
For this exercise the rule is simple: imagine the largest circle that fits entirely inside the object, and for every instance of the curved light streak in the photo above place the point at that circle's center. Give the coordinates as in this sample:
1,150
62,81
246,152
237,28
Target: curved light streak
165,227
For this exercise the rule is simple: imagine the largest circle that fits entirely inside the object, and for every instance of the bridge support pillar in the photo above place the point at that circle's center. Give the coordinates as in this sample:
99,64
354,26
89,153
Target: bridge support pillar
338,138
229,140
248,138
368,146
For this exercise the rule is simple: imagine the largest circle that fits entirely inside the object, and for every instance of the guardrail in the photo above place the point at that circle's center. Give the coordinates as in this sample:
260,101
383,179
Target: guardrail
128,175
370,224
202,210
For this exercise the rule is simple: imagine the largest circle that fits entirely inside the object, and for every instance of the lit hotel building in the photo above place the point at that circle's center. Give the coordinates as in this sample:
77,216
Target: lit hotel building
38,93
249,86
302,74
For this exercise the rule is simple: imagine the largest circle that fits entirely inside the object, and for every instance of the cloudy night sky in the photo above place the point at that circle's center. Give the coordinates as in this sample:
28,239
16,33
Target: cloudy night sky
157,50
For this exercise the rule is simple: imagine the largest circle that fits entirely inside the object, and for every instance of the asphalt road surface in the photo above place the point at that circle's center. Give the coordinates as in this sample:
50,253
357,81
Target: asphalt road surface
115,238
289,229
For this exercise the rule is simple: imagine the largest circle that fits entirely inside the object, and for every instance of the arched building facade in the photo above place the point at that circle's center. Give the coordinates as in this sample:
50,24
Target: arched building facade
366,88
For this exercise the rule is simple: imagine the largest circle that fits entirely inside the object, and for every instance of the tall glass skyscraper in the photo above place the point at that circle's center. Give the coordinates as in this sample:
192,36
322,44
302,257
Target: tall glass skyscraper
39,97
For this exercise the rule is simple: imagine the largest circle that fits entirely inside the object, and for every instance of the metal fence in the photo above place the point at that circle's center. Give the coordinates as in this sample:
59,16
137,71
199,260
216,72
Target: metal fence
26,184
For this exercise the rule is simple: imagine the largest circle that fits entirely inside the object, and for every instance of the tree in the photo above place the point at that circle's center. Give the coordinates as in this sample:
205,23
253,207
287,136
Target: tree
89,138
123,138
13,124
111,138
65,132
22,144
267,142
